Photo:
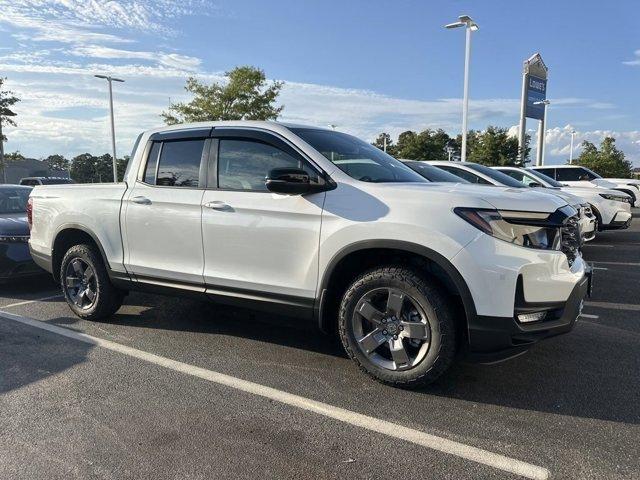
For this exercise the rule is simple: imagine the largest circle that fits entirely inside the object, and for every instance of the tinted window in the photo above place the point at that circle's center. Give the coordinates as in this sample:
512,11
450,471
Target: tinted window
574,174
244,164
465,175
180,163
29,182
434,174
14,200
550,172
544,178
152,164
357,158
522,177
499,177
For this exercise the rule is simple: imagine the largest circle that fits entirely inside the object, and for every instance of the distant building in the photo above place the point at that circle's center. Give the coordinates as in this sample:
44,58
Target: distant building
635,172
30,167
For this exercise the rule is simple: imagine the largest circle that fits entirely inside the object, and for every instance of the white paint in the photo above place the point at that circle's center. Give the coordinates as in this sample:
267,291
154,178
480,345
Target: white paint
27,302
586,315
383,427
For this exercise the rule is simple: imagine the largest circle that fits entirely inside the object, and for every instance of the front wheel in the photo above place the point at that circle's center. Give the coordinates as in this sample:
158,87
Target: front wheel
398,327
86,285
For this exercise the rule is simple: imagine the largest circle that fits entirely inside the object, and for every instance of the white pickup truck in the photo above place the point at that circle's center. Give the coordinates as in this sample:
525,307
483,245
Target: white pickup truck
321,225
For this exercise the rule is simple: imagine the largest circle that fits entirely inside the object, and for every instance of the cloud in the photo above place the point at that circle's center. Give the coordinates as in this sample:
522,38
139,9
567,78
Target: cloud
173,60
558,142
635,62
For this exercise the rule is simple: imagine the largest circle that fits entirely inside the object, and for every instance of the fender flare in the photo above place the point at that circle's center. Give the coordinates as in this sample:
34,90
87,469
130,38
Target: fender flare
410,247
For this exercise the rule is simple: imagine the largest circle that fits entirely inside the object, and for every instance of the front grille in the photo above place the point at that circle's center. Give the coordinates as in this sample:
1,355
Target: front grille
571,238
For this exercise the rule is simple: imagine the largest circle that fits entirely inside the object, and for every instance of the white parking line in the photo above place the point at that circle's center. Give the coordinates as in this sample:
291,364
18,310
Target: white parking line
614,306
383,427
586,315
27,302
629,264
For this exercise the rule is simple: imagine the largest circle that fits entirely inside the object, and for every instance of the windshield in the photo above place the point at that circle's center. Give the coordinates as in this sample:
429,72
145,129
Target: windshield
357,158
434,174
496,175
545,178
14,200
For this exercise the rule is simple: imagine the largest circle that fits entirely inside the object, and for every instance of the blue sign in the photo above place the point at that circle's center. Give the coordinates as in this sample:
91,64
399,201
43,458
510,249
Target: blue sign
536,92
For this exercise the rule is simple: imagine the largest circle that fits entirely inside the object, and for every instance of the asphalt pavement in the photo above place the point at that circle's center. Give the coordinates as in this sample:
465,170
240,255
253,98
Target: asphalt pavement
180,389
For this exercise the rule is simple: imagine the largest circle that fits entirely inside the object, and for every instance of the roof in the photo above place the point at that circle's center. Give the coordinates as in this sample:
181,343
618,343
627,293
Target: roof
265,124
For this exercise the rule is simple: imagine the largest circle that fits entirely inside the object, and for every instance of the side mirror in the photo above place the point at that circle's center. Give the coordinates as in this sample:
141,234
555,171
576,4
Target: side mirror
288,180
535,184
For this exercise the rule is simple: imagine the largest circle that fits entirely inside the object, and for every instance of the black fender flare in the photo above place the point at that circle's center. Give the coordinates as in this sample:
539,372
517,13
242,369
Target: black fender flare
410,247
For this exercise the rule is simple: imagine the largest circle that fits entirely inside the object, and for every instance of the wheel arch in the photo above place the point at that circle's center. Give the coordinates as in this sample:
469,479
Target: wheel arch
339,271
69,235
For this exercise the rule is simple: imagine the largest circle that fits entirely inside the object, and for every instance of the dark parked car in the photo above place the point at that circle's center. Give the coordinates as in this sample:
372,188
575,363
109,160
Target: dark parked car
431,173
33,181
15,259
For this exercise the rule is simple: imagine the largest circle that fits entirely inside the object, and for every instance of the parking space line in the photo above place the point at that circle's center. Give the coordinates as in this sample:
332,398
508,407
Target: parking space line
614,306
629,264
586,315
373,424
27,302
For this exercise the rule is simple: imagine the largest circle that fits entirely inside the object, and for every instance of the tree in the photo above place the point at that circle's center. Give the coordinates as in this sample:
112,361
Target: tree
494,146
245,95
384,140
57,163
7,100
608,161
426,145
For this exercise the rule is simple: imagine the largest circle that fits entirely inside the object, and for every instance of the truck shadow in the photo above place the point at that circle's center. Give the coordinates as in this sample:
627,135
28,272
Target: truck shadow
582,374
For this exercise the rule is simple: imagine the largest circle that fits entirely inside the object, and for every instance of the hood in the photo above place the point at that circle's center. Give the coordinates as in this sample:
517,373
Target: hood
567,196
628,181
586,192
469,195
14,224
603,182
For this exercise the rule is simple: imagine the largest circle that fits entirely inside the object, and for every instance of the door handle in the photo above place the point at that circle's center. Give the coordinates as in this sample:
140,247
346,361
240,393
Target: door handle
217,205
141,200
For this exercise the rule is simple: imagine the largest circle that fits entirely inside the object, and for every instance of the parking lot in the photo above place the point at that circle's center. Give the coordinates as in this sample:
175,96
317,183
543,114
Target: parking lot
173,388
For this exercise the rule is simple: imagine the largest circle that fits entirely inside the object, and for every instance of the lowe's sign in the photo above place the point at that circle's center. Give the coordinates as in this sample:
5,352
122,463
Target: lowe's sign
536,92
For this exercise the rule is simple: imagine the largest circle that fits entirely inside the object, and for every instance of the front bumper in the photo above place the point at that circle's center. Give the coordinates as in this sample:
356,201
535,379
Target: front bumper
494,339
16,262
621,220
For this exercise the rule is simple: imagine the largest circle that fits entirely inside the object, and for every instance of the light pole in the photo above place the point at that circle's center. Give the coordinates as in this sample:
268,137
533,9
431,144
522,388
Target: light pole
110,79
573,132
470,26
541,132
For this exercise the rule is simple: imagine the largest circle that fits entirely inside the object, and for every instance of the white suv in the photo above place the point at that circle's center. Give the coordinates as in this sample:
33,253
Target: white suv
578,176
484,175
611,208
324,226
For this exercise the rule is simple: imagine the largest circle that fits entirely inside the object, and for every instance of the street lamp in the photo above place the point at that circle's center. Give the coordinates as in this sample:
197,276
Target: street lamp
573,132
110,79
541,131
470,26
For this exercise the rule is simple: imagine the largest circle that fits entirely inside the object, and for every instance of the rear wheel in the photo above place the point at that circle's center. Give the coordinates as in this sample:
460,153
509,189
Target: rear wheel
86,285
398,327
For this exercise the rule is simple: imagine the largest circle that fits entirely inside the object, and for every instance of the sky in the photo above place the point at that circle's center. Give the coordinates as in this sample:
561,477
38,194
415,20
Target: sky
365,66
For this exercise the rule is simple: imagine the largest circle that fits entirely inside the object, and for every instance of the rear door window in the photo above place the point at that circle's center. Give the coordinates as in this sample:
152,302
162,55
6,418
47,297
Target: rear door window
549,172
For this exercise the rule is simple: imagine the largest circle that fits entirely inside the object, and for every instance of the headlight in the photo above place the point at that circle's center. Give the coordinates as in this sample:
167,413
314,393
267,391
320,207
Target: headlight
527,229
14,238
616,198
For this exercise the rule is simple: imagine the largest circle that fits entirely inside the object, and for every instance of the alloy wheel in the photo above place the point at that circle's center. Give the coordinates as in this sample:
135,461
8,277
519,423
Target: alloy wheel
80,283
391,329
